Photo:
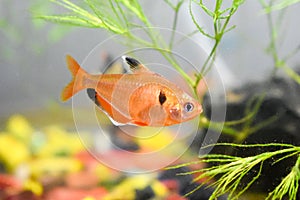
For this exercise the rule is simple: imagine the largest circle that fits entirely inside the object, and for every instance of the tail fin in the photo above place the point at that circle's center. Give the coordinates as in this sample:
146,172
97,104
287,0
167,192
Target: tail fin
76,83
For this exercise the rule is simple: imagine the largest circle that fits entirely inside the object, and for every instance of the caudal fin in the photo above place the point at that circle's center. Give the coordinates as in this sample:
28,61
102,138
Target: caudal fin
77,74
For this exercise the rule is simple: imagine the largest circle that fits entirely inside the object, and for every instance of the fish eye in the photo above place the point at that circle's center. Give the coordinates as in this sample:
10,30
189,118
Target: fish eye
188,107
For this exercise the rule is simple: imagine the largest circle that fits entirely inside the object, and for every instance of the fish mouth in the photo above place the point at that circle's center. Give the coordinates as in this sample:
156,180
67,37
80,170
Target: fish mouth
199,110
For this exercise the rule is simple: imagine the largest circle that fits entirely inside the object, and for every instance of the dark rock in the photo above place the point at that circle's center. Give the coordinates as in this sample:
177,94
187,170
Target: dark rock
281,102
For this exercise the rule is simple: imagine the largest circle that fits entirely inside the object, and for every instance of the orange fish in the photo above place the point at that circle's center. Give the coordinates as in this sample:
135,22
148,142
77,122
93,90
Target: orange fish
141,98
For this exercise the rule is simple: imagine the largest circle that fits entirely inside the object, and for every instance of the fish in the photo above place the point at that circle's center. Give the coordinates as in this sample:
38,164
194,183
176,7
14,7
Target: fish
141,98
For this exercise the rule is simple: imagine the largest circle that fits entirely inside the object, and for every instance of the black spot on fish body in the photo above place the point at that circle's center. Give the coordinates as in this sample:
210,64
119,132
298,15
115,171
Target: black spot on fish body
162,98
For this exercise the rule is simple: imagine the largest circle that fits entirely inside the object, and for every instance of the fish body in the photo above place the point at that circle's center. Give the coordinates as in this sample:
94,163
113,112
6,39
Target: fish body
142,98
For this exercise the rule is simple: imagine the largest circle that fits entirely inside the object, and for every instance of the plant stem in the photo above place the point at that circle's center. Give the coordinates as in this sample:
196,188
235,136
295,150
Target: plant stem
156,40
176,11
279,63
218,35
173,30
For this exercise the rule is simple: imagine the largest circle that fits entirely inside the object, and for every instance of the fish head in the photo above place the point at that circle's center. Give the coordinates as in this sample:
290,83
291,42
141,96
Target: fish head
185,109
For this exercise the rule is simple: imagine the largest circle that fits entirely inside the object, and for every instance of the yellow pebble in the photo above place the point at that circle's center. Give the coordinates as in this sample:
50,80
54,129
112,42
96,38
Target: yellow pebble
33,186
103,172
126,189
159,189
19,127
56,166
156,141
88,198
12,151
59,142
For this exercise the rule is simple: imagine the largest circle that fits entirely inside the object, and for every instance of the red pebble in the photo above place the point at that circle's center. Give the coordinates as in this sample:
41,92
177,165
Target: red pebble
62,193
8,181
24,195
82,180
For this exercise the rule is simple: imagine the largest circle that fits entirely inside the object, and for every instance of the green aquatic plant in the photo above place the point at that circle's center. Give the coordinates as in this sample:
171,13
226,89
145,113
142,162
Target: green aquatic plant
230,170
220,18
275,24
117,18
54,33
289,184
242,128
278,5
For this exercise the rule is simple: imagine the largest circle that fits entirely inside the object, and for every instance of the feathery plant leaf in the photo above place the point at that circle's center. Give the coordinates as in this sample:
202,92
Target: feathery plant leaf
71,20
135,7
289,185
232,169
83,17
278,6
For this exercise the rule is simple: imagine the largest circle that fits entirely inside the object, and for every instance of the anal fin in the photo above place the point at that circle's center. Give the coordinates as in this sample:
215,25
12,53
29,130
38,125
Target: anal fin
105,107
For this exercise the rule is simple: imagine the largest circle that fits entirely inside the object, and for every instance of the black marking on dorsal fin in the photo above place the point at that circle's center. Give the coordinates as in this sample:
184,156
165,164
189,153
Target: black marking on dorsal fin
132,62
92,95
162,97
135,66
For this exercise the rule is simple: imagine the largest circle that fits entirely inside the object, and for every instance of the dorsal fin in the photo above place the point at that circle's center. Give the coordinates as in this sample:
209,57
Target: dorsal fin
135,66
